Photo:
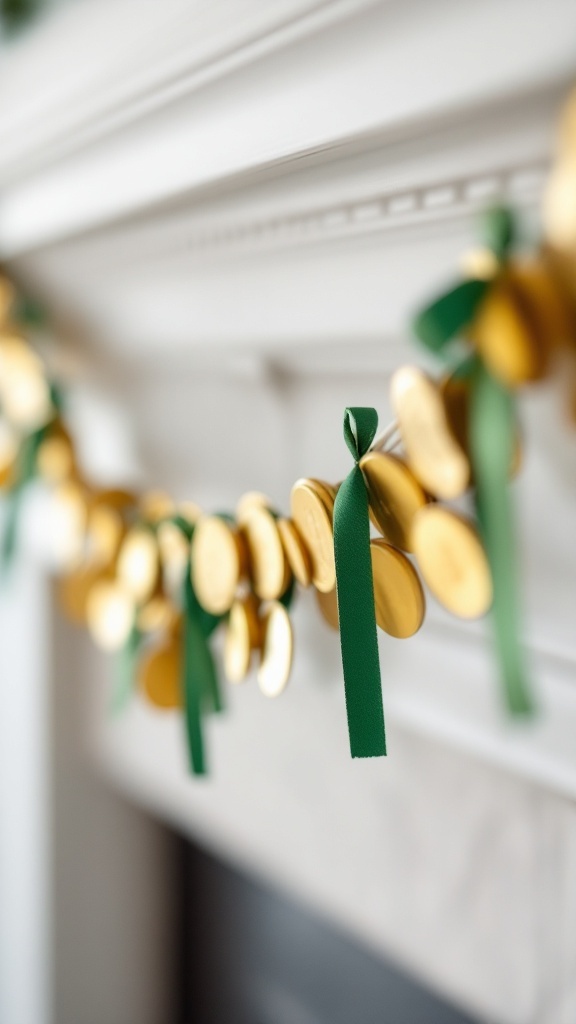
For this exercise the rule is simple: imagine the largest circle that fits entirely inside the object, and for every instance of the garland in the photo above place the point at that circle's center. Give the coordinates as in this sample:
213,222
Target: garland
154,580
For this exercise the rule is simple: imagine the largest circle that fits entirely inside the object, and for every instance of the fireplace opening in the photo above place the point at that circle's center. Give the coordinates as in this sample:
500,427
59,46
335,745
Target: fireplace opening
252,955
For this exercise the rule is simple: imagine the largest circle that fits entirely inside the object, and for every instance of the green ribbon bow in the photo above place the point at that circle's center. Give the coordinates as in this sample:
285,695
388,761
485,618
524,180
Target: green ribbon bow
492,438
355,590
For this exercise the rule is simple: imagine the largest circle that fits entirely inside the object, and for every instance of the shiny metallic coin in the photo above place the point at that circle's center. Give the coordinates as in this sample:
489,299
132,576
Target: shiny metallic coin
505,332
243,635
189,511
174,552
156,505
269,568
277,650
74,590
250,500
55,457
312,512
217,563
432,453
559,207
398,595
158,614
110,612
105,531
328,605
160,674
26,400
296,551
69,522
7,296
139,563
9,444
395,496
480,263
452,561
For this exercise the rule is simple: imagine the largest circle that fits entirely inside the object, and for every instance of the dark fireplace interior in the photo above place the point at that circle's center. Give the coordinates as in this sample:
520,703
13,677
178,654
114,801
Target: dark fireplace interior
254,956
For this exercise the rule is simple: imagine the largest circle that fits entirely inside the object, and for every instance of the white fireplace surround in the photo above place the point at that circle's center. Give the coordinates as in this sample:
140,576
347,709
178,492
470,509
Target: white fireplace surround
237,207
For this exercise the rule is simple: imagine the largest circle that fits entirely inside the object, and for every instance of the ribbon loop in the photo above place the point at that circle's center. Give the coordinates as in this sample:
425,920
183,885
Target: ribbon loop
360,426
355,590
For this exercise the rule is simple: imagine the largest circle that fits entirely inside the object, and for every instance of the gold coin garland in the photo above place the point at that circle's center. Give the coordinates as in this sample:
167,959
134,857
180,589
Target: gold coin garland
155,579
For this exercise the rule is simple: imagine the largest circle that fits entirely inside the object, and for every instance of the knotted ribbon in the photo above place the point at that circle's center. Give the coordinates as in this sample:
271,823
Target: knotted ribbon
355,589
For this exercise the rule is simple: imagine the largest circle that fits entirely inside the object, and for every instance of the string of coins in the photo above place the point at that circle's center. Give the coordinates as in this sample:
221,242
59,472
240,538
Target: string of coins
154,580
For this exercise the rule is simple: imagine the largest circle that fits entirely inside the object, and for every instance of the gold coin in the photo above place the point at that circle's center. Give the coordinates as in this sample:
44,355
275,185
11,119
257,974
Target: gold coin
241,638
7,296
398,595
156,505
160,674
139,563
217,563
433,455
70,504
250,500
110,614
104,534
456,396
395,496
157,614
480,263
55,457
452,561
26,400
117,497
174,551
312,512
277,650
74,590
559,206
268,565
9,445
189,511
507,336
328,605
296,551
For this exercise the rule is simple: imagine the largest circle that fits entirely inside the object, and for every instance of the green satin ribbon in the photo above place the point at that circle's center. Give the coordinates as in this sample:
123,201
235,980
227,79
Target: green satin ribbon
492,438
358,639
200,686
445,318
126,670
24,472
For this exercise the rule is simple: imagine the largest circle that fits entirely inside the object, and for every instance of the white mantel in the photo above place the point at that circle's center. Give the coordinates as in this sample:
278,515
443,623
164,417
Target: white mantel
237,207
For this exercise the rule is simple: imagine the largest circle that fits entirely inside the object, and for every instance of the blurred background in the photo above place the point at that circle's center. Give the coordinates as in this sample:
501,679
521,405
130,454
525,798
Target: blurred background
230,213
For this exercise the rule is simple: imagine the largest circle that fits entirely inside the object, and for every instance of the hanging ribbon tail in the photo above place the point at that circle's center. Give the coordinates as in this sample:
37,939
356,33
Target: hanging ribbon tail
492,440
126,671
355,591
200,681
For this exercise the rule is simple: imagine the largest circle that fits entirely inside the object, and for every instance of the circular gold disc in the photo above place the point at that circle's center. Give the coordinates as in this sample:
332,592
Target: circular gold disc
139,563
506,334
157,614
26,400
433,454
312,511
250,500
395,496
217,563
452,561
156,505
296,551
105,532
328,605
174,551
159,674
268,566
74,590
277,650
110,614
241,638
70,504
398,594
55,456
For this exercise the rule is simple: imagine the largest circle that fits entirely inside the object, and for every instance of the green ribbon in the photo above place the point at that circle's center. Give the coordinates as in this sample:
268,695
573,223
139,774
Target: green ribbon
355,589
200,685
445,318
126,670
492,438
24,472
